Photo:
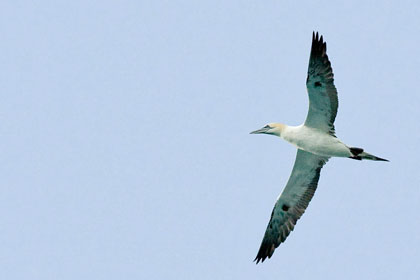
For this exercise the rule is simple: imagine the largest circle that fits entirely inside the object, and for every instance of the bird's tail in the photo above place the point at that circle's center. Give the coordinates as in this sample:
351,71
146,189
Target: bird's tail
359,154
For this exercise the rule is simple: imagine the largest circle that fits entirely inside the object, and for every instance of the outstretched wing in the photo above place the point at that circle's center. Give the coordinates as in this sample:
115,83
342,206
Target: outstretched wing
292,202
323,100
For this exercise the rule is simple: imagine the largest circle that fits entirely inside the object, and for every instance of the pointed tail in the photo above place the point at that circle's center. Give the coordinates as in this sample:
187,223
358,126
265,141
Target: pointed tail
359,154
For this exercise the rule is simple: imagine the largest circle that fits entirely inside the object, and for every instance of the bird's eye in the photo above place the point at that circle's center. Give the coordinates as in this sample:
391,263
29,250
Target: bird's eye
267,126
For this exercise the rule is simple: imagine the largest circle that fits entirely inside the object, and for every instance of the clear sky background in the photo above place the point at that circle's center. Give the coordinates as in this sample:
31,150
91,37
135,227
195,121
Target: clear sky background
126,153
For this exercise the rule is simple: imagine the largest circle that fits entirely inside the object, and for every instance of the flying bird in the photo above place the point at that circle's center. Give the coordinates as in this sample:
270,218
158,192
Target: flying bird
316,143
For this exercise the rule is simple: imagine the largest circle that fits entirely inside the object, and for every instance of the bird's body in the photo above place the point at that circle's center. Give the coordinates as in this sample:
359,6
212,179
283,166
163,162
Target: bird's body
316,143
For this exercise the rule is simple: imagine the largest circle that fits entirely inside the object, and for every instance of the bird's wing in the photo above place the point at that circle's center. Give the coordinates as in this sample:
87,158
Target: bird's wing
292,202
323,100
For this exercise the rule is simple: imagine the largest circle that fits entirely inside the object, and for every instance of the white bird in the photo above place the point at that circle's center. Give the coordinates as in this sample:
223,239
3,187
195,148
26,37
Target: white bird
316,143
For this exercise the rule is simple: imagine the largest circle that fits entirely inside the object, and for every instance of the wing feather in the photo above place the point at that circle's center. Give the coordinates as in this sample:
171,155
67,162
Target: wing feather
323,100
292,202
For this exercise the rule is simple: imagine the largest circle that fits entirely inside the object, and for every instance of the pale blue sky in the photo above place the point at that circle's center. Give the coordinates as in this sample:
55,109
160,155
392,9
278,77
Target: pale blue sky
126,153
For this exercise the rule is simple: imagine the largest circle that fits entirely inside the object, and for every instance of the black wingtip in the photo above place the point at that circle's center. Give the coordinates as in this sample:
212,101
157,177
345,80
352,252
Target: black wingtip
259,259
263,254
315,36
319,47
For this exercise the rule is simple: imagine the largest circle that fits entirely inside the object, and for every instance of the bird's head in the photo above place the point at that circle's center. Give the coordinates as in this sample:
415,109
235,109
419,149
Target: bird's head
271,128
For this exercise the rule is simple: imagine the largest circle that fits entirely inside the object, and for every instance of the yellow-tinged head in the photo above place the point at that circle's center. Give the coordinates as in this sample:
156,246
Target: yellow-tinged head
271,128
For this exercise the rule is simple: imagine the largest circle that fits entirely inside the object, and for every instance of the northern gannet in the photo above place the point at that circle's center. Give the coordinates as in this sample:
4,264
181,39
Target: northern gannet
315,141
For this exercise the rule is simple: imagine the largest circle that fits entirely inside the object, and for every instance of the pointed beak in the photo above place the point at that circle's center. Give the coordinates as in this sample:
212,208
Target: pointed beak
262,130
